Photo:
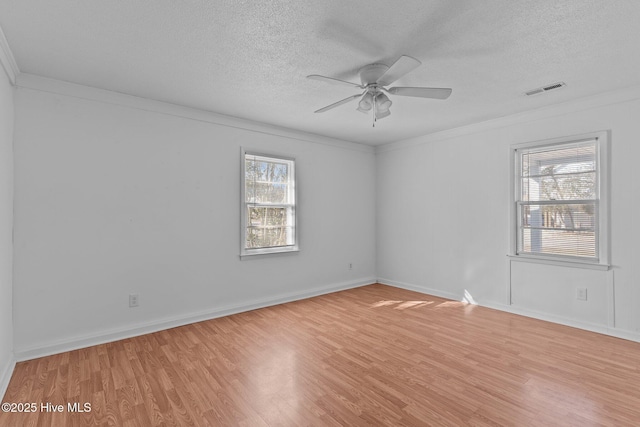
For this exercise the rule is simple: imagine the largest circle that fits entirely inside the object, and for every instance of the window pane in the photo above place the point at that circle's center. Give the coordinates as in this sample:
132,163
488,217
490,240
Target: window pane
268,238
567,172
269,226
267,216
266,192
267,181
579,186
572,158
560,216
562,229
559,242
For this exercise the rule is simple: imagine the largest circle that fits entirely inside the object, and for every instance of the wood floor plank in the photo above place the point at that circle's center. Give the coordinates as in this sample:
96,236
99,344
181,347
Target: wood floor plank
374,355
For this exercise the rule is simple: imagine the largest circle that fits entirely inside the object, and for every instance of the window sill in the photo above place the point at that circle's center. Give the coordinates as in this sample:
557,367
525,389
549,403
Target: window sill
561,263
264,253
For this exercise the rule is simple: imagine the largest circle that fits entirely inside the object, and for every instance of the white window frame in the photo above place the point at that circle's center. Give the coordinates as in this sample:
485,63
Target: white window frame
601,261
249,252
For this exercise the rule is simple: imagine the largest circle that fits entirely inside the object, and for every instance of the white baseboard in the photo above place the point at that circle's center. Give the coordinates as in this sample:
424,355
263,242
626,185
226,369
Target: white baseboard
417,288
593,327
587,326
102,337
5,376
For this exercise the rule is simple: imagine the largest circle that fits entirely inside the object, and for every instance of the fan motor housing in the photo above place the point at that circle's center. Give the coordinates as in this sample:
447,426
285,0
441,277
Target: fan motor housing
369,74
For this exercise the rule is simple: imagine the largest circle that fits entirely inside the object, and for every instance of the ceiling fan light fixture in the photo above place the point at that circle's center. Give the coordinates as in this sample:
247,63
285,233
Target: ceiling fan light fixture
366,103
383,103
382,114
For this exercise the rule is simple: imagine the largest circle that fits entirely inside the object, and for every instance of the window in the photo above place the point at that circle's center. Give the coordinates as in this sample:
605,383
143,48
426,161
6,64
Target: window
268,204
560,201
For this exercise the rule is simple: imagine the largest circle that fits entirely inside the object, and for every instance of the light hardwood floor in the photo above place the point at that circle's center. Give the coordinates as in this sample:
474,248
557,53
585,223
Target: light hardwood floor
374,355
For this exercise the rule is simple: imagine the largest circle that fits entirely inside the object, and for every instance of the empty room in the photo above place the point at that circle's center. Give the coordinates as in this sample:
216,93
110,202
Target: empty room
336,213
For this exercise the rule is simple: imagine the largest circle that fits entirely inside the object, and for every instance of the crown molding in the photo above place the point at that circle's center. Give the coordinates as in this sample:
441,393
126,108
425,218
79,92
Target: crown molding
58,87
581,104
7,60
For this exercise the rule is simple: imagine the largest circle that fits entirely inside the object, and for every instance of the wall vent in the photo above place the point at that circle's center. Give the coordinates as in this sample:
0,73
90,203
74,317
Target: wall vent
546,88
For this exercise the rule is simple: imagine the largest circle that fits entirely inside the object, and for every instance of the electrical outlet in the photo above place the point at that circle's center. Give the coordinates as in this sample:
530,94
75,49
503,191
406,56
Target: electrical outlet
133,300
350,266
581,294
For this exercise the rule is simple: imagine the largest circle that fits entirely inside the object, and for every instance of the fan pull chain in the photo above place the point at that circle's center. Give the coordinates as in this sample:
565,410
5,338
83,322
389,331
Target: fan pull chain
374,111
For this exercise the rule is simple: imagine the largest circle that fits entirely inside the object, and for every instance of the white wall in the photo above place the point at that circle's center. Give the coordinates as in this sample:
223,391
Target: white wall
112,200
119,196
443,224
6,226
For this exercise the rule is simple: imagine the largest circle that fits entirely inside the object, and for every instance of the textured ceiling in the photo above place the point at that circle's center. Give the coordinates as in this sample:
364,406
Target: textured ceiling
250,59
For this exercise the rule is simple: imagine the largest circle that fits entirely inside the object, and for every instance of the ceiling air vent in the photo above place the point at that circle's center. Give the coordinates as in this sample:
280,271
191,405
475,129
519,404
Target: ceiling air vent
545,88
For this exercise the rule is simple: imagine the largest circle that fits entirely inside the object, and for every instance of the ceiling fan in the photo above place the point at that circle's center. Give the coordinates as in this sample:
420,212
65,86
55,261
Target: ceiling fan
374,78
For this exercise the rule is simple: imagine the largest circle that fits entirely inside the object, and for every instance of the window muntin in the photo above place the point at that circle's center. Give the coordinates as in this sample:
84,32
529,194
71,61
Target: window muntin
558,200
268,217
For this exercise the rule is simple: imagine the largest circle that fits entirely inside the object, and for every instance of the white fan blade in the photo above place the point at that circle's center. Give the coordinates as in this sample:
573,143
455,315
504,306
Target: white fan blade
337,104
421,92
334,81
402,66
